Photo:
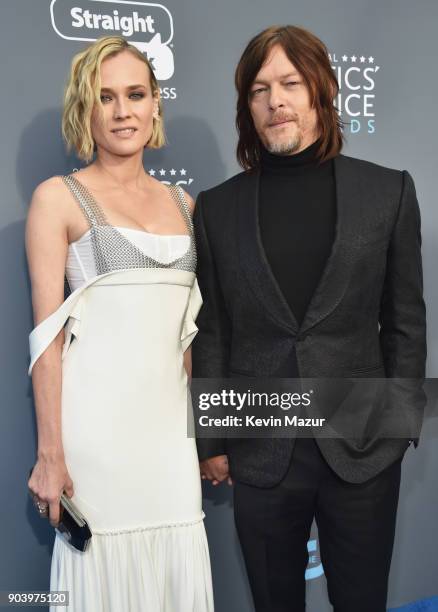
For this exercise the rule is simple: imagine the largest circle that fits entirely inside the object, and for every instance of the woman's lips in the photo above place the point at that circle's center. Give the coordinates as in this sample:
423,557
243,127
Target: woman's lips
124,132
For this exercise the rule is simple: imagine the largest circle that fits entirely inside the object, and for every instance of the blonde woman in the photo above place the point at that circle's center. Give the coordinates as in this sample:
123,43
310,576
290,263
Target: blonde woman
110,364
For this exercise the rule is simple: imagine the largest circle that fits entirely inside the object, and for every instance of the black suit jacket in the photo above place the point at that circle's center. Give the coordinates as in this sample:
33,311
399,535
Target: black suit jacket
366,316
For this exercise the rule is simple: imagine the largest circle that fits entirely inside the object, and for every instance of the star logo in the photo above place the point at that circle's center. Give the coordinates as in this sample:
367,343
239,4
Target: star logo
181,175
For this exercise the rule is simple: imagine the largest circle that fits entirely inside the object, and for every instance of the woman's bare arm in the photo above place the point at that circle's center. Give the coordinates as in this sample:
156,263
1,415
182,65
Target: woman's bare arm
46,248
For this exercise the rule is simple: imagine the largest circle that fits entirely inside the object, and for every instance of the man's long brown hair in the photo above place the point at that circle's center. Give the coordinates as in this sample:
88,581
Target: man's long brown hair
310,57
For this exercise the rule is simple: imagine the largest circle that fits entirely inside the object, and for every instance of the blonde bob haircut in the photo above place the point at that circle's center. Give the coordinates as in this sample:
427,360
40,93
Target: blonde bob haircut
82,94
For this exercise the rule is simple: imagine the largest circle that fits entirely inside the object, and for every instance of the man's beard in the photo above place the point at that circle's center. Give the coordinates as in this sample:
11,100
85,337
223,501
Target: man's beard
285,147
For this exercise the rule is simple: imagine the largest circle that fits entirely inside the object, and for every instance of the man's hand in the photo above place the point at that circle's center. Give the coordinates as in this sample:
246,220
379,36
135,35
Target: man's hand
216,469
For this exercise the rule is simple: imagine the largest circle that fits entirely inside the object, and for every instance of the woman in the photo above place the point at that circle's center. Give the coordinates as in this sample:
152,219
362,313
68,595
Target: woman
111,389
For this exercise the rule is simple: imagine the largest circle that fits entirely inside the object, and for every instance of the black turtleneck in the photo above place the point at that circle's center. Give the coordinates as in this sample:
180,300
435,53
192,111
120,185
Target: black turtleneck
297,215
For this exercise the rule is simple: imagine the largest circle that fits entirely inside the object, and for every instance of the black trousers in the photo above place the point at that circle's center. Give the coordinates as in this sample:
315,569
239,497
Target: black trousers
356,524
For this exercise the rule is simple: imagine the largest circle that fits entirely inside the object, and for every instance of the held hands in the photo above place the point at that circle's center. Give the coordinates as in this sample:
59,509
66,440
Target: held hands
48,480
216,469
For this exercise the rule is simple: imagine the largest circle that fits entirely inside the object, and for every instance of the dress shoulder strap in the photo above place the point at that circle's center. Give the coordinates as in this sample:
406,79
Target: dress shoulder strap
95,215
92,211
180,200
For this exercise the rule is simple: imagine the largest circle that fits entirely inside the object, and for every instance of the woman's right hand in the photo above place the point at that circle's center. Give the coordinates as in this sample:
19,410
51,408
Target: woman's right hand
49,479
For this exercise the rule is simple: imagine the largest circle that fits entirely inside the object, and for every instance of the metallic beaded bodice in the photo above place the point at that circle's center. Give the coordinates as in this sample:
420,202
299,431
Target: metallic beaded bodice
111,250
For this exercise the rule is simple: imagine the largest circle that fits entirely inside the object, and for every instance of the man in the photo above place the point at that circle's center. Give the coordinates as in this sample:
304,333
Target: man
309,266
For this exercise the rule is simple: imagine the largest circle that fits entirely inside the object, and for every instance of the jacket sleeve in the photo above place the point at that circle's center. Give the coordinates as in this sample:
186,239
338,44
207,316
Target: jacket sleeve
402,312
211,347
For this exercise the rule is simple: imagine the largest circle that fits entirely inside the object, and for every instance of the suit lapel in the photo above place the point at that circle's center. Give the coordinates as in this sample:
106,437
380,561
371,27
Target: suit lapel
335,276
253,257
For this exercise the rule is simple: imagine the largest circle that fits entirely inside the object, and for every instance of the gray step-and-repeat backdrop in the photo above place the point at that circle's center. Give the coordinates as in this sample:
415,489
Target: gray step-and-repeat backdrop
384,54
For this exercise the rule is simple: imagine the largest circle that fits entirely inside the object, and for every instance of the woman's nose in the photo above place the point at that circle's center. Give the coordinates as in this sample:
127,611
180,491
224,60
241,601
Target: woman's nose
121,109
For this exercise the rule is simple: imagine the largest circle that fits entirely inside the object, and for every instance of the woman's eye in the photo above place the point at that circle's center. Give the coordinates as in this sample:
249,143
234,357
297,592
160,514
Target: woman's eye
137,95
292,83
258,90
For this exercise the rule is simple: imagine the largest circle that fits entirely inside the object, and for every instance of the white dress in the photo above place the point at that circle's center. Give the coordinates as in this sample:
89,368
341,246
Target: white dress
125,414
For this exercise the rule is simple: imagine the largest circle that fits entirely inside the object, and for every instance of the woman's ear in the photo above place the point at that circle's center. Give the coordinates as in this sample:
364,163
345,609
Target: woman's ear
156,111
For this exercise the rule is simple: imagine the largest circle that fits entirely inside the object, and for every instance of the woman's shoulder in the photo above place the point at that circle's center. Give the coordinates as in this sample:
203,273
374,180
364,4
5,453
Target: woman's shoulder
50,199
188,198
48,190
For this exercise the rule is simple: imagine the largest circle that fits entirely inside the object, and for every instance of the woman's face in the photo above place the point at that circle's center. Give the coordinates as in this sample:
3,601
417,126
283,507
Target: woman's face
128,106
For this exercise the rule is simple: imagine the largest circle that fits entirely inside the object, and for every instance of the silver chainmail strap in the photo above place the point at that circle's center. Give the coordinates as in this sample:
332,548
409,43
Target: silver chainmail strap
112,251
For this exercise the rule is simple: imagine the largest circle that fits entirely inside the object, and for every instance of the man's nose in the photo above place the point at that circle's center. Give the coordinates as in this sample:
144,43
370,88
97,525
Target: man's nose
275,97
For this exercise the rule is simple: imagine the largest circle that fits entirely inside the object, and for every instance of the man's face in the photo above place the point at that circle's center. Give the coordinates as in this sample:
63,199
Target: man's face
279,103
